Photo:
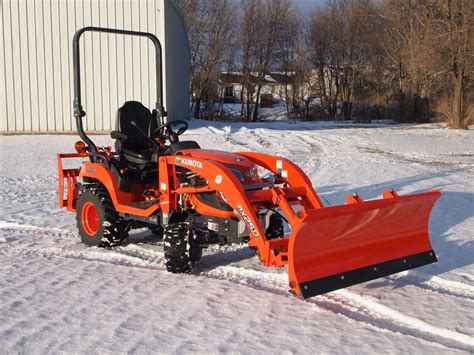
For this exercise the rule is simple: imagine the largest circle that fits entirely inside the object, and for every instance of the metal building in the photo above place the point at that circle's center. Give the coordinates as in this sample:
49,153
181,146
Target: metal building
36,61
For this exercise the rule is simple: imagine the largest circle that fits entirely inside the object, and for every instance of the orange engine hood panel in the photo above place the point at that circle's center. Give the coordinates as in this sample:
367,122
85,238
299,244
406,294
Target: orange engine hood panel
225,158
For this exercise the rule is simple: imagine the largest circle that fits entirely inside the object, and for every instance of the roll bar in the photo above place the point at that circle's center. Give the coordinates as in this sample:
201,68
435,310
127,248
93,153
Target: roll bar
78,110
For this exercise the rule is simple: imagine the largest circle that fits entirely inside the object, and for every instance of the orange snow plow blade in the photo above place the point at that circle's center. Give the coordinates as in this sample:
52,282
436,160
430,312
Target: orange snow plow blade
340,246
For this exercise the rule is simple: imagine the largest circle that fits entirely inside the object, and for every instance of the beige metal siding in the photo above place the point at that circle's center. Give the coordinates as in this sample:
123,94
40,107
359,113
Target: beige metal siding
36,89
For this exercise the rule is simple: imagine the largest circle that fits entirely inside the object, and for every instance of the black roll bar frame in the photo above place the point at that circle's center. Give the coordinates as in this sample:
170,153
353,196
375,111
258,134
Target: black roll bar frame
78,110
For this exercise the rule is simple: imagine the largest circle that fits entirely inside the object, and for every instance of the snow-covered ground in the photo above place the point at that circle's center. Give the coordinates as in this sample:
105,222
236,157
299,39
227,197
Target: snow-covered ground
57,295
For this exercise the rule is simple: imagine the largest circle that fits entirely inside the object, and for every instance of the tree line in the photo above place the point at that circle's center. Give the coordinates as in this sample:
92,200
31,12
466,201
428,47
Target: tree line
408,60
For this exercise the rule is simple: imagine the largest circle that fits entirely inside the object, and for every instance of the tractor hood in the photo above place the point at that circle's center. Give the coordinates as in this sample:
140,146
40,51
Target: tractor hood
225,158
243,168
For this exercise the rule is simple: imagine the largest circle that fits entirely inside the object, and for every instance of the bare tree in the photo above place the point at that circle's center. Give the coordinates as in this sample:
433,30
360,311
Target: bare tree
429,44
448,50
292,57
301,88
211,25
401,36
337,42
319,48
359,53
251,10
263,24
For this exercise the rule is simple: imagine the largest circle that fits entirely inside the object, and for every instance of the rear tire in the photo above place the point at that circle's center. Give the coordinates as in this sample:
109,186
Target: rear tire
176,247
98,222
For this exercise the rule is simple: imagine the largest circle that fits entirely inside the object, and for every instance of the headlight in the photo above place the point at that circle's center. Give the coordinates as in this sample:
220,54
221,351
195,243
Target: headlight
263,173
253,173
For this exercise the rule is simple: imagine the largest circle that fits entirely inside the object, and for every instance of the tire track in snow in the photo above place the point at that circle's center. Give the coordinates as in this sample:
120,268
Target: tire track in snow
359,308
397,321
419,279
466,276
356,307
324,149
296,152
436,283
24,227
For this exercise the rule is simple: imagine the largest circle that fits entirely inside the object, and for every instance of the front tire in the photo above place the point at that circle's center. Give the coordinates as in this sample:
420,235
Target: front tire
176,247
98,222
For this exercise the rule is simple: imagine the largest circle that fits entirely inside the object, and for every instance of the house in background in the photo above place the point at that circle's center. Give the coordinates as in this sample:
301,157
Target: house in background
278,87
274,87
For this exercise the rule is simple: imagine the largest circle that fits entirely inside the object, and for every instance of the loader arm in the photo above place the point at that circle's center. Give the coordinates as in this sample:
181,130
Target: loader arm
295,176
220,180
296,190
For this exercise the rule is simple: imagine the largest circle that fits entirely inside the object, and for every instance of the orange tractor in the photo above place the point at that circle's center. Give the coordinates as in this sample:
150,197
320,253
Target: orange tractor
196,197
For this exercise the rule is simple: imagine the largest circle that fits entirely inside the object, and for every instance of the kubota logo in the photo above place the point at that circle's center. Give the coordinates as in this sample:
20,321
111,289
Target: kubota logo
189,162
247,221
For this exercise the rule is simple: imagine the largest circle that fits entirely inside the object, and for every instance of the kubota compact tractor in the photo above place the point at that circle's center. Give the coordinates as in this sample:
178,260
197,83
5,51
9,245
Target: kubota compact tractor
197,197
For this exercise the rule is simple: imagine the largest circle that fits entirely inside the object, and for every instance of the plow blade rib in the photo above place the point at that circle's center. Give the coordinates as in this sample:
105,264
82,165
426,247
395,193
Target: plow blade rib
340,246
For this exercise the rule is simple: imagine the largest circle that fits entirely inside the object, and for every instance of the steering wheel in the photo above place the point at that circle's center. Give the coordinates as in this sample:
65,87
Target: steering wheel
165,131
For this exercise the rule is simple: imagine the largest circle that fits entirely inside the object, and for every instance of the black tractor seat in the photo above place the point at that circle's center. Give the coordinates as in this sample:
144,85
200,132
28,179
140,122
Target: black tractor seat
140,157
136,148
